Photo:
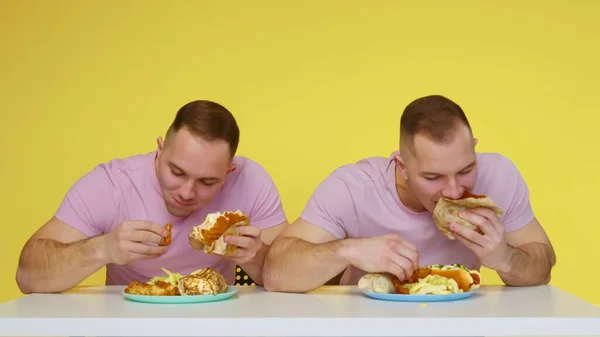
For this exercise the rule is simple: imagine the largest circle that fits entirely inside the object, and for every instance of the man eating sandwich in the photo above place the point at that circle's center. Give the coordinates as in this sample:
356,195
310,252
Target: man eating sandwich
379,214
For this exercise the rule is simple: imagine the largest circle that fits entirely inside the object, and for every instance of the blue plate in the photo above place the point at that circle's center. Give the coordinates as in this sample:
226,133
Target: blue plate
181,299
418,298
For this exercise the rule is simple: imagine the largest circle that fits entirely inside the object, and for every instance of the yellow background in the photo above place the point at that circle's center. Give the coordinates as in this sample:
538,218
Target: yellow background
313,84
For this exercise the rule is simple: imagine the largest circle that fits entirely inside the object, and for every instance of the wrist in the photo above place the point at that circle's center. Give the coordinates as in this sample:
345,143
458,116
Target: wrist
98,245
259,257
508,261
344,250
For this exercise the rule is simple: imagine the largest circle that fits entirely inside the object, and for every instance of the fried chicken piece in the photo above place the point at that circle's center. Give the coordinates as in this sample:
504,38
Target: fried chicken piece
398,286
417,274
159,288
167,241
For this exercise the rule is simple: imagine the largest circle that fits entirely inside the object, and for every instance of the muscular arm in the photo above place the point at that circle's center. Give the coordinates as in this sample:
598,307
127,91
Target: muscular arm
531,257
56,258
254,268
302,258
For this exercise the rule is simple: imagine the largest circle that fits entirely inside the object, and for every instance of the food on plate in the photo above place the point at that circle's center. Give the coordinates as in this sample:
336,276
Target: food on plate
210,235
467,279
202,282
430,280
205,281
157,286
167,240
446,211
377,283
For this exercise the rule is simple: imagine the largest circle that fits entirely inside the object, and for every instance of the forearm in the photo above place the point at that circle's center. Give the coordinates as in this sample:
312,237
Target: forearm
48,266
296,265
254,268
529,264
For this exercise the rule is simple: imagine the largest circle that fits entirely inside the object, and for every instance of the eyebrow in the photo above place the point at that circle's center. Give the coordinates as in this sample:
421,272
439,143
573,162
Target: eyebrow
426,173
173,165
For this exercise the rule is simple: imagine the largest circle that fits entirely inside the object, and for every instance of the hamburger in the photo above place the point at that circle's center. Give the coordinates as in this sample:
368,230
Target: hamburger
446,211
210,235
430,280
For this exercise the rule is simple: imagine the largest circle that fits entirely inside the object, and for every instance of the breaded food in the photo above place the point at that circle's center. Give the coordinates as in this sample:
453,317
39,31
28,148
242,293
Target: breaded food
158,288
167,240
210,235
205,281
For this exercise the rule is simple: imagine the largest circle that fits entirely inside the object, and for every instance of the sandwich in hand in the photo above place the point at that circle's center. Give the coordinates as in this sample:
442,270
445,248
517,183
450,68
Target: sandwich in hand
430,280
210,235
446,211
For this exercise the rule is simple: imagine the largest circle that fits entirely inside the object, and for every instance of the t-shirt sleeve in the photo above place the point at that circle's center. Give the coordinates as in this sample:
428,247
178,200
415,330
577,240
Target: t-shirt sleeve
89,206
517,209
331,206
267,210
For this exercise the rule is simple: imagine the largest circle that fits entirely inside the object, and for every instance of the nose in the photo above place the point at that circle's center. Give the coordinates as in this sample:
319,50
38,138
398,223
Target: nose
186,191
452,190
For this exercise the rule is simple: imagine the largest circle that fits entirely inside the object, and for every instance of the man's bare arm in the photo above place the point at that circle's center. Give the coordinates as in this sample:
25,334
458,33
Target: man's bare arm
302,258
531,256
56,258
254,268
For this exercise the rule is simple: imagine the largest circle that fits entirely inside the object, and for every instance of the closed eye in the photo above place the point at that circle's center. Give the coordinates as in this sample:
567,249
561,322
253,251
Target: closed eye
209,181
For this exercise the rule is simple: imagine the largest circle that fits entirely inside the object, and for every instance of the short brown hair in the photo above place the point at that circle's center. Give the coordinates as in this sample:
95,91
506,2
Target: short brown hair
208,120
436,116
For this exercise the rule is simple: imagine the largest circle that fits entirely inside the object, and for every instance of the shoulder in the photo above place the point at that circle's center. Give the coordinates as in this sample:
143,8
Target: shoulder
107,176
495,159
248,170
367,171
500,179
355,180
494,167
129,165
247,165
249,176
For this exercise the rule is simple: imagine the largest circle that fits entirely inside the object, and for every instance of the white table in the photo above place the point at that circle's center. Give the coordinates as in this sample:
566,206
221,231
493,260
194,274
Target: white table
328,311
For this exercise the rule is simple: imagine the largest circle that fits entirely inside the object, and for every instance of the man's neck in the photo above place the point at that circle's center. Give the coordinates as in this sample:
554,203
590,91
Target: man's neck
407,198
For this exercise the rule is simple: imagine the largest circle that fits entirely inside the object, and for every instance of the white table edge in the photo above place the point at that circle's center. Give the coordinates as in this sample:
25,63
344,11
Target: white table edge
300,326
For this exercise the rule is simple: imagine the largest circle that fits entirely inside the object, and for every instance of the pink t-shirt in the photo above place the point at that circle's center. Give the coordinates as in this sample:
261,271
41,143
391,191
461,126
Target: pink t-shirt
127,189
360,200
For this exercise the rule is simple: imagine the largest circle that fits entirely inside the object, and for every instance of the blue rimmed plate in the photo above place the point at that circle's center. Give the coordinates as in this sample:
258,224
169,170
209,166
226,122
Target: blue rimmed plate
181,299
418,298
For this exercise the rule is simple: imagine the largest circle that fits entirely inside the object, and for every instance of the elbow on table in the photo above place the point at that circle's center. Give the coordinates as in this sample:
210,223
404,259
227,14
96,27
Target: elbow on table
28,284
547,279
273,280
530,282
269,276
269,284
23,281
